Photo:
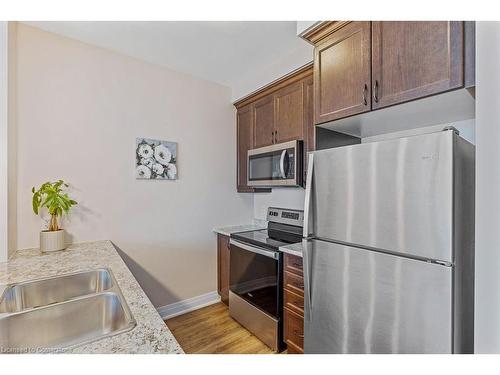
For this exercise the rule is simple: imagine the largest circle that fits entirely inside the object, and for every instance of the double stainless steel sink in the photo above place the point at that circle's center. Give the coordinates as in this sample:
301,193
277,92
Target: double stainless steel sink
62,311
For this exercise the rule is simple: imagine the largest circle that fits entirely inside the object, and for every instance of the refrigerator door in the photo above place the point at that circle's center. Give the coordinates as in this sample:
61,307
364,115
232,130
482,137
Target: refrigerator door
362,301
395,195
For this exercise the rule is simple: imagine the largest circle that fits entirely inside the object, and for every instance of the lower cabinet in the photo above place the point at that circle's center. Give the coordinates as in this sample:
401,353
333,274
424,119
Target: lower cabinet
293,304
223,267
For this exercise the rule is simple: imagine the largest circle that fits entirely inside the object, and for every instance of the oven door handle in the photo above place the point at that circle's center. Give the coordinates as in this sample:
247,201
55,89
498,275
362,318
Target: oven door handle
254,249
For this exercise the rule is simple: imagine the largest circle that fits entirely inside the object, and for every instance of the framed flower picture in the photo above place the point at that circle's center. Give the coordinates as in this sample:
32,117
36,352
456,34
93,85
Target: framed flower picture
155,160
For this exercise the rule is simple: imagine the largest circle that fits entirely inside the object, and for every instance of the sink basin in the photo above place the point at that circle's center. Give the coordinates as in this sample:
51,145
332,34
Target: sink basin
43,292
66,324
62,311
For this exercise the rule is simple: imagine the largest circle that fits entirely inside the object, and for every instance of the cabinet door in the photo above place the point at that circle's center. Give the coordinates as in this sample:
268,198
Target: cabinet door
293,327
342,84
244,143
264,122
289,109
309,137
411,60
223,267
308,115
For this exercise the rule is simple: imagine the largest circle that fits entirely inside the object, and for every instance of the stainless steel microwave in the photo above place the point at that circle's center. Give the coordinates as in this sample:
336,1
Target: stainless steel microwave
276,165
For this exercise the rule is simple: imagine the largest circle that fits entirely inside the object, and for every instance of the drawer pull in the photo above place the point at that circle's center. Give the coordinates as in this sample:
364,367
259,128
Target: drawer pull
298,334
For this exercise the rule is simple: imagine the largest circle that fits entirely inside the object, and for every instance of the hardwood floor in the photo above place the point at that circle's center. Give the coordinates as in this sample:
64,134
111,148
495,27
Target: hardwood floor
211,330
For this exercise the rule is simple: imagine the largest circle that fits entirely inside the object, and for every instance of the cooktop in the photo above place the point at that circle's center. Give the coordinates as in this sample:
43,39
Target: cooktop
261,238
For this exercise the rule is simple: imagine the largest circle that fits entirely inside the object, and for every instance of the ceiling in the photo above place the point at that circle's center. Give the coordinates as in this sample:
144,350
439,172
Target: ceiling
240,55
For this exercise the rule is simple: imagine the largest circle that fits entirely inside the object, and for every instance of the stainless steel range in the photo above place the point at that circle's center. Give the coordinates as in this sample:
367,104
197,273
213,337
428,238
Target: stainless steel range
256,275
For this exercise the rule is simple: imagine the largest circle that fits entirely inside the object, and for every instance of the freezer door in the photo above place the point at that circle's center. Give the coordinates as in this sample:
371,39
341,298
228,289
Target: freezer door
362,301
394,195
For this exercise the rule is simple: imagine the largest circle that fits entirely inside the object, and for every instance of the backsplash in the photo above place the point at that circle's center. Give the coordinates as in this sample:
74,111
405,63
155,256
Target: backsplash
279,197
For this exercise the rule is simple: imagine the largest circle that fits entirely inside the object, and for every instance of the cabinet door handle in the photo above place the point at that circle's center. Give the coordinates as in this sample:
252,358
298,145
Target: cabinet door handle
276,136
375,91
272,137
365,92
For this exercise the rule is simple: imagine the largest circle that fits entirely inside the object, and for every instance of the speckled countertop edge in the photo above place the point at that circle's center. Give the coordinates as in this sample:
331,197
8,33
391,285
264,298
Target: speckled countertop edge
151,335
228,230
293,249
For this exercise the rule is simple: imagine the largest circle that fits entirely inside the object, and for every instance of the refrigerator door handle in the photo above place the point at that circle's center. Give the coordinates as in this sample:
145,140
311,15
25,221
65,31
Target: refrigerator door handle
307,204
307,262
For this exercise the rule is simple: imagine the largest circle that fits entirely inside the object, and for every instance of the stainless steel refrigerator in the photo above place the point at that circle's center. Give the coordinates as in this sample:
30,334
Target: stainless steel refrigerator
389,259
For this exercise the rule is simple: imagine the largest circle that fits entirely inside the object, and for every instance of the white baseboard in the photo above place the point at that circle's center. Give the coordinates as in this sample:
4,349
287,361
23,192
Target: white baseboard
187,305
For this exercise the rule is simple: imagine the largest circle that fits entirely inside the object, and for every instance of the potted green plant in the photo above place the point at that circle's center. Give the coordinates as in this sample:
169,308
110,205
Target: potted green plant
52,195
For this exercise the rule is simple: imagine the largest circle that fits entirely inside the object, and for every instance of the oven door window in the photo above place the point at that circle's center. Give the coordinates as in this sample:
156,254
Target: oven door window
254,277
274,165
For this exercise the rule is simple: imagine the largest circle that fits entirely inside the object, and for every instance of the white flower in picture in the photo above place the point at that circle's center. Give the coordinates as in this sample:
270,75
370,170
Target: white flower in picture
148,162
143,172
162,154
155,159
145,151
171,171
158,169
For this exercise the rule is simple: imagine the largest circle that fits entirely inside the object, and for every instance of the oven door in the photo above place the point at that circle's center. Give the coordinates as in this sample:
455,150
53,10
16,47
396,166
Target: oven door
254,275
276,165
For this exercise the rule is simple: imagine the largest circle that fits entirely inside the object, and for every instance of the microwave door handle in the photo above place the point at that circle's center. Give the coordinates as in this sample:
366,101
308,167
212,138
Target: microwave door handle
282,164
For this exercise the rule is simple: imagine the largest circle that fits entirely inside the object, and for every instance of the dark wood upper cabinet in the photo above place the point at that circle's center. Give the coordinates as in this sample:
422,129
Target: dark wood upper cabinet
342,73
309,127
279,112
244,135
309,114
289,113
264,127
411,60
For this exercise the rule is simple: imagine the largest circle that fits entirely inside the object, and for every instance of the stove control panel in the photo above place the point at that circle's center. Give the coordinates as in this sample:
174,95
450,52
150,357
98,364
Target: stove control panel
285,216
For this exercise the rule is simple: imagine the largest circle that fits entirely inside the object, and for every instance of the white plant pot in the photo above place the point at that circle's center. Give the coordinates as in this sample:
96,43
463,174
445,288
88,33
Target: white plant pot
52,240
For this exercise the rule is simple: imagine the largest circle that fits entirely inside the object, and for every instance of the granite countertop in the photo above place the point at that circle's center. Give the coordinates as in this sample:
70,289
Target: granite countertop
293,249
227,231
151,335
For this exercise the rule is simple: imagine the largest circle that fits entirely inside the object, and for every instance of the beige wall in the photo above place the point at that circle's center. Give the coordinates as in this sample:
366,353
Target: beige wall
8,150
3,142
12,138
80,109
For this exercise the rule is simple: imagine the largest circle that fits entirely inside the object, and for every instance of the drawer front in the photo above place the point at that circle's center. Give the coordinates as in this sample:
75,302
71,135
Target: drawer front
294,328
293,264
294,302
293,349
294,283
